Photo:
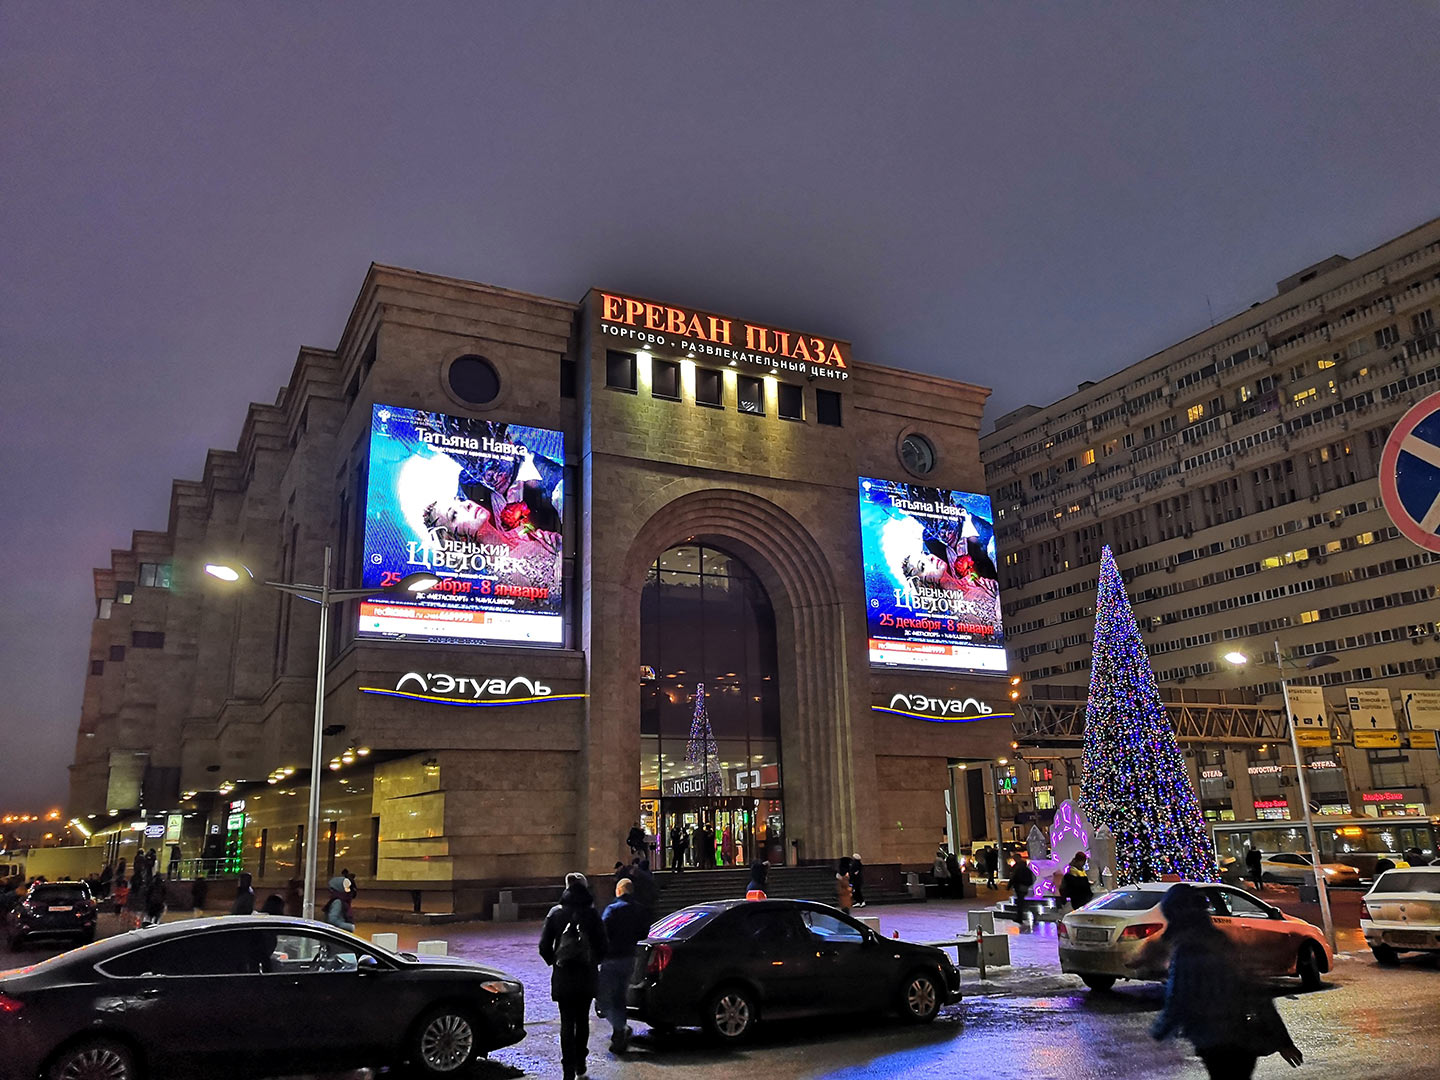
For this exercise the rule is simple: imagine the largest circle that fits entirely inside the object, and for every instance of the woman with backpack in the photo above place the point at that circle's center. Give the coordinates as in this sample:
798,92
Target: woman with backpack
573,944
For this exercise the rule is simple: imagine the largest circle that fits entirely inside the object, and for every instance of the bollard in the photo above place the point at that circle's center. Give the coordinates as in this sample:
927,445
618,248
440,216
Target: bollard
980,951
386,941
432,948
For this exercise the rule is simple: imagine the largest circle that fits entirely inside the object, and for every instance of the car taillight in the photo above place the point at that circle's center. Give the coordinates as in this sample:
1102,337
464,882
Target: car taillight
1062,930
1364,910
1140,931
659,959
9,1005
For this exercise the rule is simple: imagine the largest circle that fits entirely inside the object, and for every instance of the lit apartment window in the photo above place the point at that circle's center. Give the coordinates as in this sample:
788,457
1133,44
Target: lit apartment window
1309,616
1306,396
1323,364
1195,412
102,608
1088,458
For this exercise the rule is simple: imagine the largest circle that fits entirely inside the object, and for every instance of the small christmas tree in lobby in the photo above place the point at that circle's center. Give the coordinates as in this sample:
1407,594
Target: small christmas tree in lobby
1135,777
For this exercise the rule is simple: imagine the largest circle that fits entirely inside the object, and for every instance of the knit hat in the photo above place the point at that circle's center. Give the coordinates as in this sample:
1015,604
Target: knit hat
577,881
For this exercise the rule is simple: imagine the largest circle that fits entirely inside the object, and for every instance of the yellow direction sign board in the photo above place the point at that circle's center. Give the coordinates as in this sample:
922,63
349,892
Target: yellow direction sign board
1422,713
1372,717
1306,705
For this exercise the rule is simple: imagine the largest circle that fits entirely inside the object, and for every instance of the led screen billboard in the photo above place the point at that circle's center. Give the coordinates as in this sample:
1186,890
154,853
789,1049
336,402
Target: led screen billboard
478,503
932,599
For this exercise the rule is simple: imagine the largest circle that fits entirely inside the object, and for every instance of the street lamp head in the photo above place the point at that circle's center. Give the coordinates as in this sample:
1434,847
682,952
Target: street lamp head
1323,660
418,582
224,571
1239,659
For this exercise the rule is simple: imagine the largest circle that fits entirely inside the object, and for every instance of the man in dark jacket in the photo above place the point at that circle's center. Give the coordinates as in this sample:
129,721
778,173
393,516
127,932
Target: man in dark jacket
1022,880
992,865
626,922
1075,884
646,891
573,943
857,880
1254,869
1209,1000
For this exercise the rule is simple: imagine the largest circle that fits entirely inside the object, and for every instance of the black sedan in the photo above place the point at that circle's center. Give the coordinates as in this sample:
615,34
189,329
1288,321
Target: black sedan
248,995
52,911
726,965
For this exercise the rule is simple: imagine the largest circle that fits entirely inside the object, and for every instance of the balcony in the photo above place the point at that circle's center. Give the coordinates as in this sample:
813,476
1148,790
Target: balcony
1343,295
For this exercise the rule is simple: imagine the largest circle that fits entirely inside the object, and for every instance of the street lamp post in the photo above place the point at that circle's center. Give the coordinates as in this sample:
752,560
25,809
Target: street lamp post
324,596
1322,893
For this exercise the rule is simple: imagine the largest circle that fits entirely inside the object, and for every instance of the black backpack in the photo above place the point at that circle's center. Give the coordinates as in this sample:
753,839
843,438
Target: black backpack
573,949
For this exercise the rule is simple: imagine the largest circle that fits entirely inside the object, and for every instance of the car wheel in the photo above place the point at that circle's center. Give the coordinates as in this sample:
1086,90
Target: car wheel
1307,966
920,997
443,1043
1385,956
730,1014
97,1059
1099,983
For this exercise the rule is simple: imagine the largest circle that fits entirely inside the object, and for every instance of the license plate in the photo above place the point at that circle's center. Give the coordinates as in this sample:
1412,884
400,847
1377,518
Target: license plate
1091,933
61,907
1407,937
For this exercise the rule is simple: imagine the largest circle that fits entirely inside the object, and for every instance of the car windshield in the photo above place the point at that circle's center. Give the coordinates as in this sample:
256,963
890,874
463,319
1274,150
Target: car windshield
1124,900
60,894
1407,881
682,924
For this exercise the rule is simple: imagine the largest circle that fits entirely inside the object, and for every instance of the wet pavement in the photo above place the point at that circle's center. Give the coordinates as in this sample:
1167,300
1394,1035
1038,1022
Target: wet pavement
1026,1021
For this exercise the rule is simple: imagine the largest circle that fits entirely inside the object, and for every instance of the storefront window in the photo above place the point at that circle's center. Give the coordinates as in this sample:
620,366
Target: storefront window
710,712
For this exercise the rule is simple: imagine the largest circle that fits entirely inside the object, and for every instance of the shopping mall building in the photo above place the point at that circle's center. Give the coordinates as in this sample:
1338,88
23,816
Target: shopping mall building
692,571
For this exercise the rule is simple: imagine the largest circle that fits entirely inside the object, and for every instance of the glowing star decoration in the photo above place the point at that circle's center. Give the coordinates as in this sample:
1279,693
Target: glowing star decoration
1135,778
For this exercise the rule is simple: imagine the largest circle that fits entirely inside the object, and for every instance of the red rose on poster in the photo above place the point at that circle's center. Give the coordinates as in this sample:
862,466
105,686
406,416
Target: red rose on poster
514,516
965,566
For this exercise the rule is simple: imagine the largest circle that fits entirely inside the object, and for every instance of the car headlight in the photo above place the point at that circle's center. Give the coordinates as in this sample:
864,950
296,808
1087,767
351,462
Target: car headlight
501,986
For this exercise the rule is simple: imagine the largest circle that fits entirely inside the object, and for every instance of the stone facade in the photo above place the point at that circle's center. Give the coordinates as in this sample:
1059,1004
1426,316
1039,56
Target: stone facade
459,802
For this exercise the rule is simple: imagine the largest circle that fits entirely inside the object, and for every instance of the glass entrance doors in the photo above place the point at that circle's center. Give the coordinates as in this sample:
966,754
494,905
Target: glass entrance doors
710,713
714,833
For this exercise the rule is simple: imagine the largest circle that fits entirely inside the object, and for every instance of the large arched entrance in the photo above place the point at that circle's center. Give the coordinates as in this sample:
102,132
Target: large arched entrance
710,777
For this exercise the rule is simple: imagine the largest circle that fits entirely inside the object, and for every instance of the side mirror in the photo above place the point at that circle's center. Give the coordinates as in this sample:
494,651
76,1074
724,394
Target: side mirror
367,964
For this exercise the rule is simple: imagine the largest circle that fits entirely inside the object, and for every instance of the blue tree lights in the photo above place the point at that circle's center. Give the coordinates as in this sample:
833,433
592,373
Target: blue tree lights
1135,778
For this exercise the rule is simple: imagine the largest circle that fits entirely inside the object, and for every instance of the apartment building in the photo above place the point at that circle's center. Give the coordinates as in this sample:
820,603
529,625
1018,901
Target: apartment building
1234,474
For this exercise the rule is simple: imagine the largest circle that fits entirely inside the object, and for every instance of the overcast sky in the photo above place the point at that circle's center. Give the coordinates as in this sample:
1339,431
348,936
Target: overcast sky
1020,195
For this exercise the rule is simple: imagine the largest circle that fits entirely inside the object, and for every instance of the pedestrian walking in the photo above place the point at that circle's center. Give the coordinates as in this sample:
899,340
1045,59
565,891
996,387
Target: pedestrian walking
1022,880
199,891
646,891
759,872
857,879
626,922
135,900
1253,868
244,896
992,866
727,846
941,870
677,849
844,890
1209,1000
573,942
294,901
337,908
154,902
636,841
1075,884
172,868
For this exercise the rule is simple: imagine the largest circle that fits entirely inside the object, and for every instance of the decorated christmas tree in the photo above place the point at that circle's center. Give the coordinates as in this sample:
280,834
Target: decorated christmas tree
701,749
1135,778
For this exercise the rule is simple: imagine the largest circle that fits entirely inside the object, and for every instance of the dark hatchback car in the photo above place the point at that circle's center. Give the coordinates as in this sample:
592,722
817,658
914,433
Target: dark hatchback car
248,995
52,911
727,965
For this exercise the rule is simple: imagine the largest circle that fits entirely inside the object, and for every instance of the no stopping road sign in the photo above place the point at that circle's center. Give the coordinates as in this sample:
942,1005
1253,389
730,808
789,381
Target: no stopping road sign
1410,474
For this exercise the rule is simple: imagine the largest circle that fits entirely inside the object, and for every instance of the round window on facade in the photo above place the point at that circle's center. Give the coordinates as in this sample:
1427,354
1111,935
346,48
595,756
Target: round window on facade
473,379
916,454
